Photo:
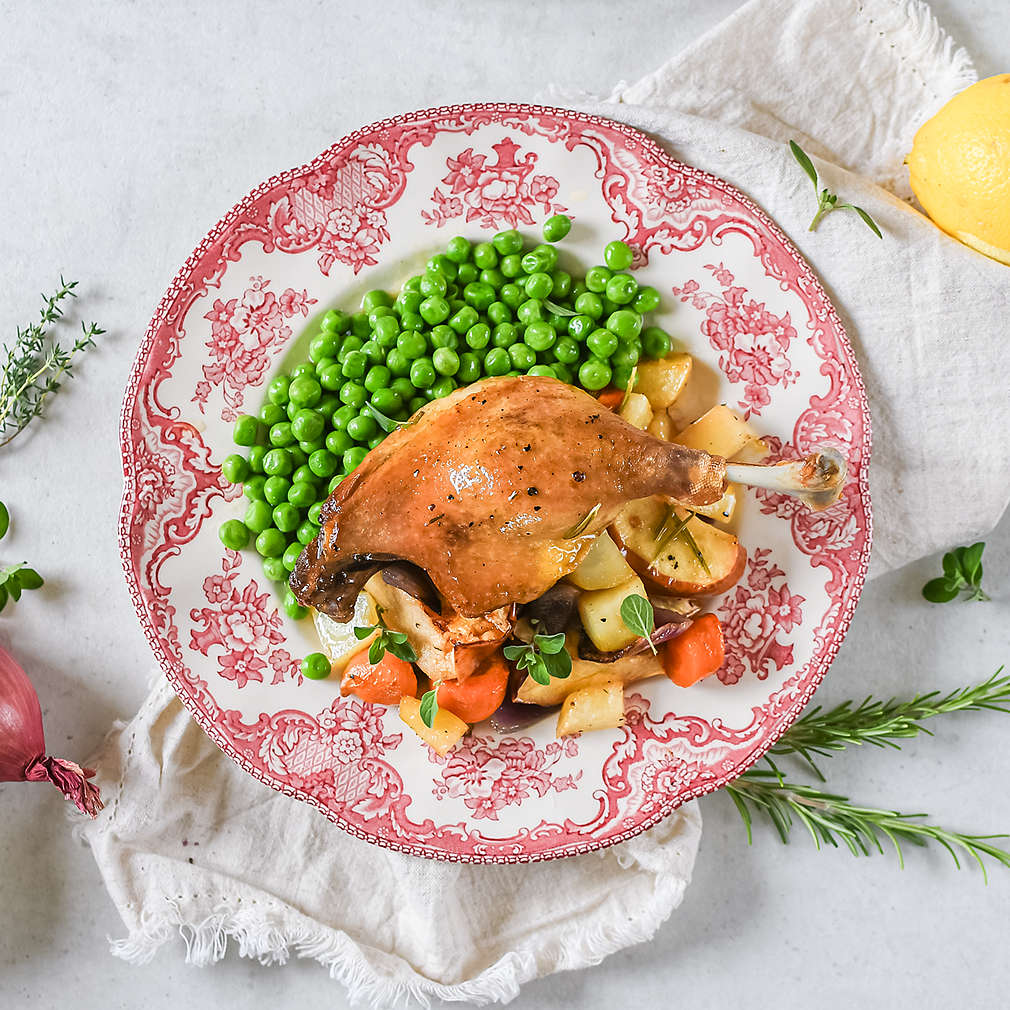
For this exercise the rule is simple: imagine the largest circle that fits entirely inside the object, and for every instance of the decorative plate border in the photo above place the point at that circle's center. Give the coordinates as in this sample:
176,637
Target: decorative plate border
189,444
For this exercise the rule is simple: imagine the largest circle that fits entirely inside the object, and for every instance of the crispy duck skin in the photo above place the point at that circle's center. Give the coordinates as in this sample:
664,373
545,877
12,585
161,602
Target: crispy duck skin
487,491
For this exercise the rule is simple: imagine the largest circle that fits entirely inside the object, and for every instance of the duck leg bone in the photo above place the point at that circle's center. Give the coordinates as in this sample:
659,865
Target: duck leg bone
817,480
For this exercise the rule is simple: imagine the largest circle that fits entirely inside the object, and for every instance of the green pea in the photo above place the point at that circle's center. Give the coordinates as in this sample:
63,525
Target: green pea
539,285
444,336
504,335
534,262
353,457
331,377
621,375
291,555
594,374
315,666
397,362
464,319
258,516
580,326
458,249
270,543
287,519
444,265
374,354
492,277
403,387
543,371
588,304
315,512
485,255
326,345
442,387
656,342
378,377
235,468
246,431
291,606
511,265
353,394
277,391
578,288
467,272
647,300
617,255
272,413
557,227
275,489
234,534
602,343
375,299
385,332
563,372
303,475
379,312
422,373
508,242
328,405
338,442
323,463
626,356
359,325
304,370
307,425
479,295
597,278
609,305
388,401
341,416
567,351
413,345
499,312
626,323
410,301
278,463
253,488
530,311
274,570
256,455
410,284
355,365
469,368
305,391
513,295
539,335
434,309
622,289
335,321
362,427
522,357
497,361
302,494
445,360
478,336
414,320
298,456
562,284
307,532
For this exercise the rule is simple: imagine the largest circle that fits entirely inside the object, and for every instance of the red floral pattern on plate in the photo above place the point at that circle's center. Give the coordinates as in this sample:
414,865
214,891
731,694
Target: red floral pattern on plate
245,333
232,656
753,342
493,193
490,775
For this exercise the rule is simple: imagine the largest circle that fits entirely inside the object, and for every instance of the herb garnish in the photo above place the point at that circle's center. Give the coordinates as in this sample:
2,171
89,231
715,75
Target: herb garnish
962,572
826,201
34,367
583,524
544,657
638,615
14,579
673,526
394,642
558,310
632,379
429,706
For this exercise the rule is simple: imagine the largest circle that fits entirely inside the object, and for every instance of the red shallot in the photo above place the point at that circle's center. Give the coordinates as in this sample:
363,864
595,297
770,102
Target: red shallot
22,746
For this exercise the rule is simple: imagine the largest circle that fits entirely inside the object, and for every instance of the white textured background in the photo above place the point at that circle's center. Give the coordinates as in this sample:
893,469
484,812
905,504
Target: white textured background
126,130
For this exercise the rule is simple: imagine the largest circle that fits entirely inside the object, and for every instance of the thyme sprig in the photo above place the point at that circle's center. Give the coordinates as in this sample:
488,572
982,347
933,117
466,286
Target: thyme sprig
35,366
826,200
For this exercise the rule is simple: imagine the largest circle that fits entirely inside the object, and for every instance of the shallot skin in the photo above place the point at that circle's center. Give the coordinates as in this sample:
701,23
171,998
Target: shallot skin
22,743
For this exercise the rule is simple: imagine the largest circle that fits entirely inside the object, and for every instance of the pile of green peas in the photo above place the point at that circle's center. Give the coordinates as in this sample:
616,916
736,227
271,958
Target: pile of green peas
479,309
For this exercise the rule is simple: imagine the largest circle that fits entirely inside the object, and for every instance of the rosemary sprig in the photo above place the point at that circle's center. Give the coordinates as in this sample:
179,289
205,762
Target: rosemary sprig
583,524
673,526
831,819
34,367
827,201
883,723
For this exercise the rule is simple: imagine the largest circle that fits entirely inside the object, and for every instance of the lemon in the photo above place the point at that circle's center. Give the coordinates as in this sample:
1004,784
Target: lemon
960,167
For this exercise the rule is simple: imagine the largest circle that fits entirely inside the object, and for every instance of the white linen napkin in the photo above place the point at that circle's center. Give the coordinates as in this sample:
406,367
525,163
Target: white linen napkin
189,844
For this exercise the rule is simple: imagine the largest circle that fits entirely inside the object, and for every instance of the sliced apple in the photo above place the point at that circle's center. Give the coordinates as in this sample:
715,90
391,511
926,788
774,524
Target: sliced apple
722,510
602,566
662,381
719,431
675,569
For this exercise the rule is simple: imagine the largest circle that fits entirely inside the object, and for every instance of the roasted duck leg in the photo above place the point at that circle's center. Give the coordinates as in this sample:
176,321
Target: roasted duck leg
495,491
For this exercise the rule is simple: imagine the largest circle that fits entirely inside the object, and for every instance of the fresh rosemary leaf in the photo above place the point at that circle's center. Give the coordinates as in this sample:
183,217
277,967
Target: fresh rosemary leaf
583,524
559,310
